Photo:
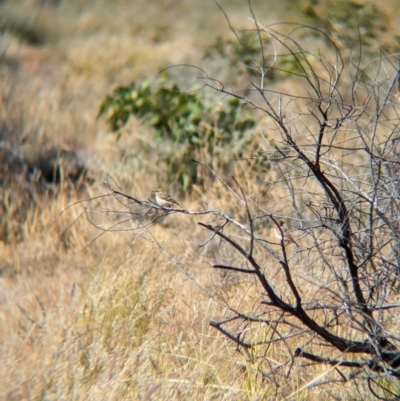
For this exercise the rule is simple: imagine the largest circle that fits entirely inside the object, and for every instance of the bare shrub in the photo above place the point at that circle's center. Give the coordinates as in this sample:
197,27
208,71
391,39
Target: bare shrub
331,173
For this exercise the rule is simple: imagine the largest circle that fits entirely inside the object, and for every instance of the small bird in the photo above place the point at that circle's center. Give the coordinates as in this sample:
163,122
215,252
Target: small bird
164,200
287,237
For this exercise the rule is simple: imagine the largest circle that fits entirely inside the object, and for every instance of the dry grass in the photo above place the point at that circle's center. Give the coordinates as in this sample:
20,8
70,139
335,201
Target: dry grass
116,317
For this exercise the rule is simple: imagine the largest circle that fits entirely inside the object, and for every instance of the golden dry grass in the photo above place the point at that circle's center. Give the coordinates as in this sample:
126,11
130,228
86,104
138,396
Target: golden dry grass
116,316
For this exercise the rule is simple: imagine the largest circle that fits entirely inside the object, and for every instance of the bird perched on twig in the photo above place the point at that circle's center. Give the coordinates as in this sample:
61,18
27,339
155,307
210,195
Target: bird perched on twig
287,236
164,199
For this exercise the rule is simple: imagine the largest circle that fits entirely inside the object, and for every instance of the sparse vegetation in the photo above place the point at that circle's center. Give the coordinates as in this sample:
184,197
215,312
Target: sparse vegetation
111,298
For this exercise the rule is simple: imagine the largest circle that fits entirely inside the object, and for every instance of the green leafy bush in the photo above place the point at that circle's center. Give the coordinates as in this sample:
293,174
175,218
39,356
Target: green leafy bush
242,53
247,55
346,22
198,127
247,59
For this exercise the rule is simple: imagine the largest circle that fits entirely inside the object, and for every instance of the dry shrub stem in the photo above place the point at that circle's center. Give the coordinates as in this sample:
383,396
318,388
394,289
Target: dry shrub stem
336,149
